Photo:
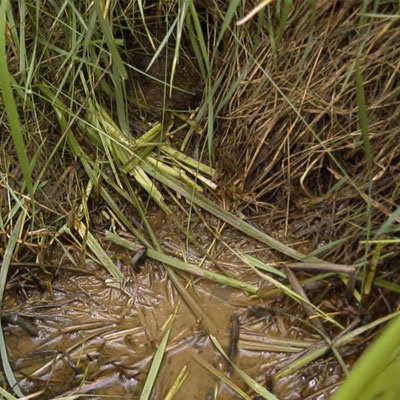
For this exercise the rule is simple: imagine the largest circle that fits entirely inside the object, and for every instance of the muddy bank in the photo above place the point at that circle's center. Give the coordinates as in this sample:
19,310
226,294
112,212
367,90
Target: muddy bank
98,335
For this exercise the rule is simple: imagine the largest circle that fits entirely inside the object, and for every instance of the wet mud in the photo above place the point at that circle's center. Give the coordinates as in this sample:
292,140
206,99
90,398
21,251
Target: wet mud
93,334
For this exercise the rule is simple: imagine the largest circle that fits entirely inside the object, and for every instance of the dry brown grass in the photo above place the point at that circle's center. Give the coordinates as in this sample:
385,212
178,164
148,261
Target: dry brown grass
272,161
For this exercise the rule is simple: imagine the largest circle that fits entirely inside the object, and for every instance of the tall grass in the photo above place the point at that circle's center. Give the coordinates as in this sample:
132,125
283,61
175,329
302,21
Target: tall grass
71,91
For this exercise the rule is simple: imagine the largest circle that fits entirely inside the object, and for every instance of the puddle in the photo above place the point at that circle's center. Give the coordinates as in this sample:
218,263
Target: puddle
99,335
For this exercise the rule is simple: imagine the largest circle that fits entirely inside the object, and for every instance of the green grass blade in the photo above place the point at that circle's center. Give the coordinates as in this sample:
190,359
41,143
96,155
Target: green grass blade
191,162
386,225
12,28
140,5
383,383
6,395
117,60
233,4
287,5
3,277
183,8
375,15
195,46
177,384
97,250
219,375
210,126
259,264
155,365
176,263
321,350
323,249
162,44
22,38
9,103
32,64
121,103
272,40
371,364
200,36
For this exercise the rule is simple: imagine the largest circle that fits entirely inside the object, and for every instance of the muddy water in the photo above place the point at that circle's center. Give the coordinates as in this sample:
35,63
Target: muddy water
98,335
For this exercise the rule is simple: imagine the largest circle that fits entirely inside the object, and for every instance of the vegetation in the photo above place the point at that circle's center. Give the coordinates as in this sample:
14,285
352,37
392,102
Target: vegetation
279,119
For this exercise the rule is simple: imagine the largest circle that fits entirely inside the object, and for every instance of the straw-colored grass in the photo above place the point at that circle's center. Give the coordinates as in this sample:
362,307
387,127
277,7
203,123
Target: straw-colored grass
310,131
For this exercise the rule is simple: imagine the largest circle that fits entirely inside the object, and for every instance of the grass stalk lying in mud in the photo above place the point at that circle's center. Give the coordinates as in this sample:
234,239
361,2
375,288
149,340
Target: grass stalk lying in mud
224,215
190,268
315,352
158,356
265,393
221,376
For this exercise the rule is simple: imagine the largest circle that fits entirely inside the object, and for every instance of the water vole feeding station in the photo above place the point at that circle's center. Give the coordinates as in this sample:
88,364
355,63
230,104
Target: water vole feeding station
200,199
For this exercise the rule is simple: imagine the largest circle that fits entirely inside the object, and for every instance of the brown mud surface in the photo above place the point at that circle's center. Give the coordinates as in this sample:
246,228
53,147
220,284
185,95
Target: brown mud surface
102,334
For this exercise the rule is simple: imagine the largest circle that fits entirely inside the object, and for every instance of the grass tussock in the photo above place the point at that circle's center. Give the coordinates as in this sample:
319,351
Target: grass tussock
290,140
